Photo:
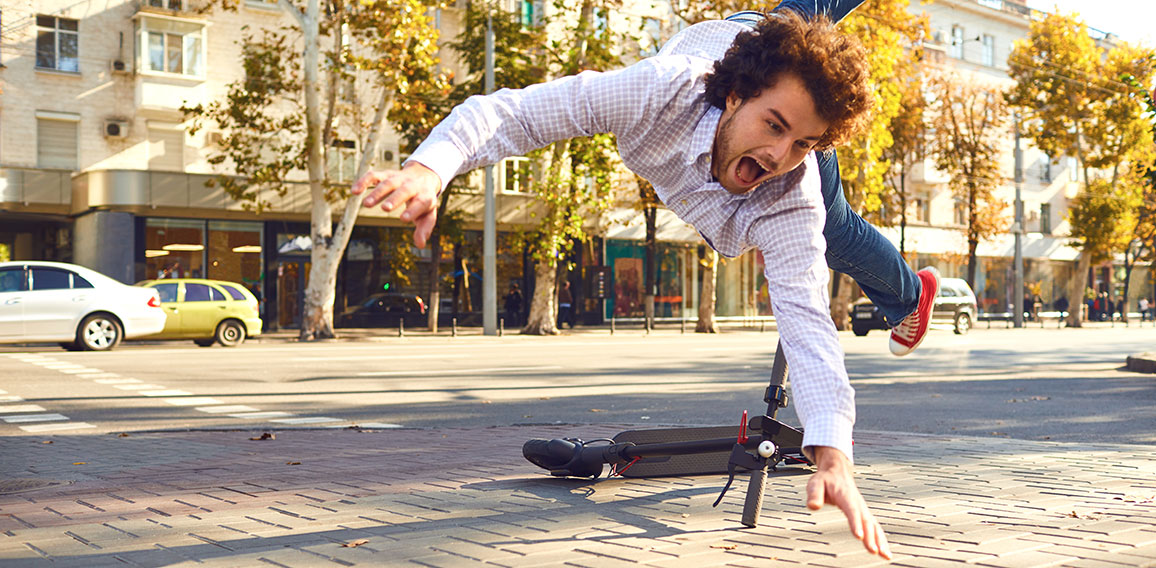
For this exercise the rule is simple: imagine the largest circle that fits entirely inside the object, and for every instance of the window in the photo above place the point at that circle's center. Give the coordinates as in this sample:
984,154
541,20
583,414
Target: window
1046,218
51,279
56,141
342,161
922,206
167,292
960,212
57,44
166,148
170,4
1073,169
957,42
989,50
515,174
12,280
234,292
172,46
1045,168
202,293
601,22
527,13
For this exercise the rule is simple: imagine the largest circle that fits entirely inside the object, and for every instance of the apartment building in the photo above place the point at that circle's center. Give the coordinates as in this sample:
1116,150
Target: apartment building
973,38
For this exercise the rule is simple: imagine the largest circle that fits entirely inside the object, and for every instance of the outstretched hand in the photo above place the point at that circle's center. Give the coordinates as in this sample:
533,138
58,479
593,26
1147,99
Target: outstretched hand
412,189
834,484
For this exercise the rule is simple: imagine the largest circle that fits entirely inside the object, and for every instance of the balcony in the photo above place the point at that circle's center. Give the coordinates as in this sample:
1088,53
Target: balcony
35,190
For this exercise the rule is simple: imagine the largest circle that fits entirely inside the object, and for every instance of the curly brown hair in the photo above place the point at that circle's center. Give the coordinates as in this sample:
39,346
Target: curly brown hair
831,65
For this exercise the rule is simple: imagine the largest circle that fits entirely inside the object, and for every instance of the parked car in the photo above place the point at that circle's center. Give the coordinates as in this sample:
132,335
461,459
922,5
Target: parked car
206,311
955,304
80,308
386,309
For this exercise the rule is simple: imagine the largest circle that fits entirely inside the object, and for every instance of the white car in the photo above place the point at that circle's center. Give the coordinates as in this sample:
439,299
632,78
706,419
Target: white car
80,308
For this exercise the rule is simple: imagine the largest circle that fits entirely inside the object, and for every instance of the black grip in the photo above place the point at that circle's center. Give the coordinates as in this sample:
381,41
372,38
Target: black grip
754,503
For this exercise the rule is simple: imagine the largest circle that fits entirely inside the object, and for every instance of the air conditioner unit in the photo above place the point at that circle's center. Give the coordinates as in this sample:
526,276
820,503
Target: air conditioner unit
214,138
118,66
116,129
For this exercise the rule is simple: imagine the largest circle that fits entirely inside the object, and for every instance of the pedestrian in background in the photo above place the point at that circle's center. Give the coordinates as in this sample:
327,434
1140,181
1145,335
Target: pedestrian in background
513,305
565,305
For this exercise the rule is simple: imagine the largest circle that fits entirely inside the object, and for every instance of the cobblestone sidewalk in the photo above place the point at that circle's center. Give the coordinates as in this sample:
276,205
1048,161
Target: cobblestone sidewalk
457,497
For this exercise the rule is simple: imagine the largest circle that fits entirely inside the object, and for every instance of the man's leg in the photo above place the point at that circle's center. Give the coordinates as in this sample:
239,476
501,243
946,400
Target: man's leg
857,249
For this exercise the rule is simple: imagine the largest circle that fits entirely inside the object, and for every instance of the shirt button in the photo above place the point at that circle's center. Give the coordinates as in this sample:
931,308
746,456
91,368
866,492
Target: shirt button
683,202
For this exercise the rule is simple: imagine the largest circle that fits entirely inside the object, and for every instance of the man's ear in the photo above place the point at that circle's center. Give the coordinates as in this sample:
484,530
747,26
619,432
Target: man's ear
733,102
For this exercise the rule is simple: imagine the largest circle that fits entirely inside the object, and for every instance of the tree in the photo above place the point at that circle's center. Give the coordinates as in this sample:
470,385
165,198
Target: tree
908,131
706,298
970,121
269,135
1076,104
892,36
648,201
573,179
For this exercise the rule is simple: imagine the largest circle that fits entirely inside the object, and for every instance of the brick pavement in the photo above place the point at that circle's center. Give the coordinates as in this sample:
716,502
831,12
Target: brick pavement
458,497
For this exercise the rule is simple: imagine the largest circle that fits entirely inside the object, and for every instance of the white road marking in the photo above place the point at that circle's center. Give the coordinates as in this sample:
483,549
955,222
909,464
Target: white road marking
80,371
383,357
373,425
456,371
192,401
100,376
137,387
33,418
117,381
306,420
10,398
260,414
227,408
165,392
57,426
17,408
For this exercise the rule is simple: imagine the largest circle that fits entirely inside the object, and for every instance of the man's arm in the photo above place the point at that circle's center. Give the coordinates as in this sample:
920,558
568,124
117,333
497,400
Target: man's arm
511,122
789,234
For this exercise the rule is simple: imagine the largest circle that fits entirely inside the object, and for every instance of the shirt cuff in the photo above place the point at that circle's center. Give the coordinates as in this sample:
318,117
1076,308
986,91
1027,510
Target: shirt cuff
829,430
441,156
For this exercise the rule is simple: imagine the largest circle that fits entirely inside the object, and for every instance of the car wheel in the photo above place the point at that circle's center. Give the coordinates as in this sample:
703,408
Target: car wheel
205,342
98,332
230,333
962,323
860,330
70,345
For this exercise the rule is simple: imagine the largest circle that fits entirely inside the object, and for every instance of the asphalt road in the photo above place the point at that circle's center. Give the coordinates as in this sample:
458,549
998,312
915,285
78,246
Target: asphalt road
1053,384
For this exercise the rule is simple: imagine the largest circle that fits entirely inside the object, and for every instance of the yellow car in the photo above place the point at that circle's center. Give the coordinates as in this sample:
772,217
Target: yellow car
206,311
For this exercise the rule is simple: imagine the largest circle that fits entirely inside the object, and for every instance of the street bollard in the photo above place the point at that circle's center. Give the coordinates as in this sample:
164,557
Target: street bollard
611,325
682,326
501,326
454,327
401,328
763,329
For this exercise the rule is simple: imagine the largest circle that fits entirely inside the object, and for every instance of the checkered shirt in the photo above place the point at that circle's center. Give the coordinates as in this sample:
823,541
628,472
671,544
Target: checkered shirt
665,131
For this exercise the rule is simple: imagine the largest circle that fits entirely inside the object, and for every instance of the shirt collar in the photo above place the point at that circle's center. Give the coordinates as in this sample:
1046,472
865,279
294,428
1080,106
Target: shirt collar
702,141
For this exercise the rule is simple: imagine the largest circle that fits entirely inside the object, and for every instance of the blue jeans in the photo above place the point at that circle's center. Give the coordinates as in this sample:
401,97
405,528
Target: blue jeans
854,247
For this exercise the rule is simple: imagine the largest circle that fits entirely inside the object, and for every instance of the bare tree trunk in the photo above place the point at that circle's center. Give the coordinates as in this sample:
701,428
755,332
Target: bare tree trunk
650,280
706,299
841,302
1076,291
543,305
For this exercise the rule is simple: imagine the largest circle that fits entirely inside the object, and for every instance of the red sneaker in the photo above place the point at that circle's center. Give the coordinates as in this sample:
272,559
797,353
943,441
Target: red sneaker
906,336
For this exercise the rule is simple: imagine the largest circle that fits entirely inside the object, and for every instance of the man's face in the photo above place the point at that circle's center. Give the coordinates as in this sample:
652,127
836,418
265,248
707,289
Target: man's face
765,136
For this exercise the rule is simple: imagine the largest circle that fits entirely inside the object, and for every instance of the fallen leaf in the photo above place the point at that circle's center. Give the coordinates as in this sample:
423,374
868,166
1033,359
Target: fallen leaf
725,546
597,410
292,463
356,543
527,416
265,436
79,463
47,442
543,398
487,402
122,435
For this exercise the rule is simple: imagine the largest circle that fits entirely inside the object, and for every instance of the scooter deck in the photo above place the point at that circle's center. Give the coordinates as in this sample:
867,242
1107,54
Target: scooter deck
789,439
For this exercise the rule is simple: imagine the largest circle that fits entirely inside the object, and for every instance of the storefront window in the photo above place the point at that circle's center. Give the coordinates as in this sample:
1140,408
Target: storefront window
174,248
235,252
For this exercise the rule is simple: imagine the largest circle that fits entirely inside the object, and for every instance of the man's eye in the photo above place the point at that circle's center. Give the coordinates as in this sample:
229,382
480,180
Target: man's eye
774,126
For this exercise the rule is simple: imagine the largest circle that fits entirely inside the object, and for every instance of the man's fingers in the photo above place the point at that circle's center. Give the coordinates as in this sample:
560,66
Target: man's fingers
370,179
815,493
423,227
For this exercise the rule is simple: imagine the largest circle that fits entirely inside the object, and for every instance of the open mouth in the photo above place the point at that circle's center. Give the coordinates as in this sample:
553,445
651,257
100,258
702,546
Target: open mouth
749,171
